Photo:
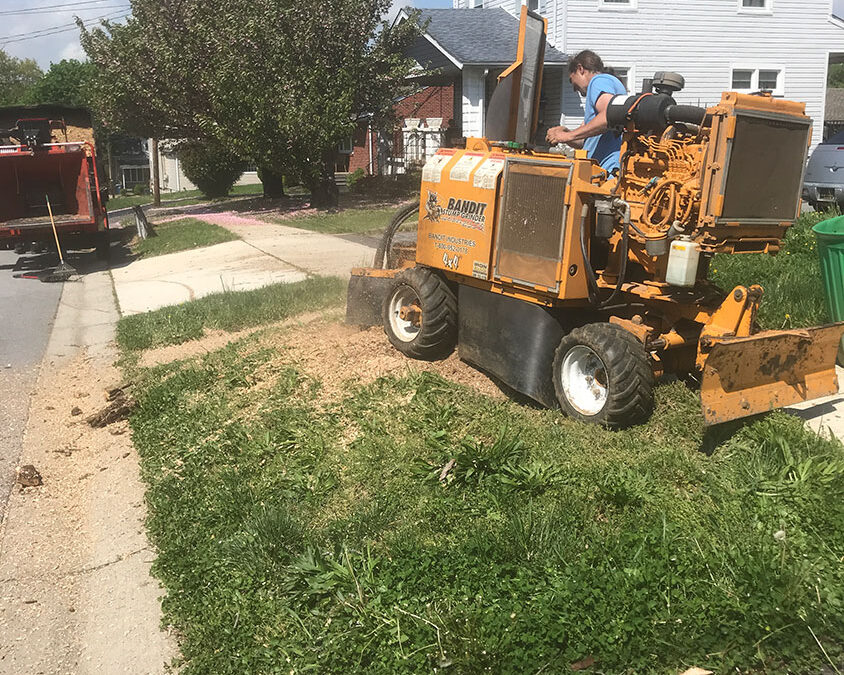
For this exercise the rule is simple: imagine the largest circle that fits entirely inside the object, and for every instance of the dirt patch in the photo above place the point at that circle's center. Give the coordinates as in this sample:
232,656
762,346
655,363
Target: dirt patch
329,351
73,535
335,353
213,340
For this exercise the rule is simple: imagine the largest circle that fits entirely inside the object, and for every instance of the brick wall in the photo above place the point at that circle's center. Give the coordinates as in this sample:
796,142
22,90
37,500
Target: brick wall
429,102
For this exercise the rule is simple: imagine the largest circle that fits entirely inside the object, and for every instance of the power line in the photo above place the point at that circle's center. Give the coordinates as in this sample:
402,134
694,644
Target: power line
49,28
54,11
43,8
55,30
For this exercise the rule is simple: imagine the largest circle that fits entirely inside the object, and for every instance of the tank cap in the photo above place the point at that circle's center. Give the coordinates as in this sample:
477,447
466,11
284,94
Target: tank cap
666,82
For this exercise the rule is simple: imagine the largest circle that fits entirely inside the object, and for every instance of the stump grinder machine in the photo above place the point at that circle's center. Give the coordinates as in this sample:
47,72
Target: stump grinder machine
578,288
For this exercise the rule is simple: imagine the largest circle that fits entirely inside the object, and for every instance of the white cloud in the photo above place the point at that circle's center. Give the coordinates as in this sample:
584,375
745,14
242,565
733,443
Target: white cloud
73,50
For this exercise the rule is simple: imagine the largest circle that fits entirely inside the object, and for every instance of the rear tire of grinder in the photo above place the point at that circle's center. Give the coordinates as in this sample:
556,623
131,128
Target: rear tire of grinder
602,375
434,335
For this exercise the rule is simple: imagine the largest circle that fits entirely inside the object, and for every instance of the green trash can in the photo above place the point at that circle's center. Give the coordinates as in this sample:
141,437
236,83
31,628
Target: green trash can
830,236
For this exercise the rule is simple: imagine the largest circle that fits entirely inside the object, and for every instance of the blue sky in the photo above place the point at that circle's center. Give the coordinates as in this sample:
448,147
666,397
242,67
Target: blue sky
44,30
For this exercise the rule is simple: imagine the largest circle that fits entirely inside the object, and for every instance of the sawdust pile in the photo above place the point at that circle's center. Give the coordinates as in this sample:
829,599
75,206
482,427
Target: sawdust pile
335,353
328,350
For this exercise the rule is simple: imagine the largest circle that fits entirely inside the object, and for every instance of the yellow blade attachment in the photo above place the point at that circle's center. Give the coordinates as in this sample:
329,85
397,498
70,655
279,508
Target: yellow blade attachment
748,375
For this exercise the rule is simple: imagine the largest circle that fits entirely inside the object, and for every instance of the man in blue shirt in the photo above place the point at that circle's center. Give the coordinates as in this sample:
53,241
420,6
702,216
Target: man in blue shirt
587,77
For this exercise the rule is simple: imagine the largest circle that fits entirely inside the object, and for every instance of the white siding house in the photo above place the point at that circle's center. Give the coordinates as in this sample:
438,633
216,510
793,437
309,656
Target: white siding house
717,45
468,49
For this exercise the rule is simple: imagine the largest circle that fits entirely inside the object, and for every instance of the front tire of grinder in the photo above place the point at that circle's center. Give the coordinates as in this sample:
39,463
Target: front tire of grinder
420,315
602,375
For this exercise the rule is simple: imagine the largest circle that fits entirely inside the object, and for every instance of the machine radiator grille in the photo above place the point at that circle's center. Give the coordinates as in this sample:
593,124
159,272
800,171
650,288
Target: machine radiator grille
765,172
530,229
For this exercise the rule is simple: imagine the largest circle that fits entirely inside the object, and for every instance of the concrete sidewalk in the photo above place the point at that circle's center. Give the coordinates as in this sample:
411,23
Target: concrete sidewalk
322,254
824,415
266,254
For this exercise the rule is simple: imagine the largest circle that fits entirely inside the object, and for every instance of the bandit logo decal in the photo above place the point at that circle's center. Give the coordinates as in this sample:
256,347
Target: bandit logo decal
433,210
465,212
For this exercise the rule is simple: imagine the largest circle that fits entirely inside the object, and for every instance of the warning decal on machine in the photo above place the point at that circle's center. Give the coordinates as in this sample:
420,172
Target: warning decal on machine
480,270
461,170
487,173
433,169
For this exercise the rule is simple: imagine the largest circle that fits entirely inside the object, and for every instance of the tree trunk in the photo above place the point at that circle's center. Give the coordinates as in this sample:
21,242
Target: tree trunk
324,192
273,183
156,190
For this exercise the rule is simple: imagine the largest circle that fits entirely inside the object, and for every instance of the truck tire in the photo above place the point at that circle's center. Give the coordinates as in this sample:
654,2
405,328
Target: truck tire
602,374
430,332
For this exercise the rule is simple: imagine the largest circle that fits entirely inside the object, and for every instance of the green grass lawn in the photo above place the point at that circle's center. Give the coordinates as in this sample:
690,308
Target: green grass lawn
226,311
185,197
346,221
300,534
413,525
792,279
180,235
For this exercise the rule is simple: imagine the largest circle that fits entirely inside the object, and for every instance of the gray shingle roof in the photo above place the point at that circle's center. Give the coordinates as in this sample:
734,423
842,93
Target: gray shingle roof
479,36
834,109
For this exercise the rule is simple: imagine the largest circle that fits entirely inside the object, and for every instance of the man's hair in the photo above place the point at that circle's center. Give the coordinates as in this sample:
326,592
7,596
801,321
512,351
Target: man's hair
589,60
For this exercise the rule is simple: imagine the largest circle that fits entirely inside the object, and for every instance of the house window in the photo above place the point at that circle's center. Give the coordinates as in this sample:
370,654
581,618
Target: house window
748,80
625,74
476,4
617,4
345,146
755,5
533,5
132,175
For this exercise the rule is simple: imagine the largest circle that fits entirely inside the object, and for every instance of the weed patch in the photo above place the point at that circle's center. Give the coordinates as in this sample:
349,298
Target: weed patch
791,279
181,235
227,311
416,526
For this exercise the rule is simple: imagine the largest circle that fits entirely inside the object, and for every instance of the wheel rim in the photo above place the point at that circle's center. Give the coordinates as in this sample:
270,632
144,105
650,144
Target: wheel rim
404,329
585,381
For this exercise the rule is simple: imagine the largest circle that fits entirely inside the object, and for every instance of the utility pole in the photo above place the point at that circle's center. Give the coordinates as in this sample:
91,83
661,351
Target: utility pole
156,190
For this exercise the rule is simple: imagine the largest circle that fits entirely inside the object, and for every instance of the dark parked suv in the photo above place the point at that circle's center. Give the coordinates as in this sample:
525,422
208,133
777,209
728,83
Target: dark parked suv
823,185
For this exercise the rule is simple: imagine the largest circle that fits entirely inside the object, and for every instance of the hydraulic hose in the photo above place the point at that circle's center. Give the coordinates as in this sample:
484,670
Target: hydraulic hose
382,257
690,114
592,281
625,248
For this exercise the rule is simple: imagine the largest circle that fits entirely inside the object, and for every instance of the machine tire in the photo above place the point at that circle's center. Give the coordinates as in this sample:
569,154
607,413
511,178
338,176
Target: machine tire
626,396
436,335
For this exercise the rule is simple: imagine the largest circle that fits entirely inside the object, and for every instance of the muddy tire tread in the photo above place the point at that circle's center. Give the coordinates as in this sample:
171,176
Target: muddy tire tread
631,378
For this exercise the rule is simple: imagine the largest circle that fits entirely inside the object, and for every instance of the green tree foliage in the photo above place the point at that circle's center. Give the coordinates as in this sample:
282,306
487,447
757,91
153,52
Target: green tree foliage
17,76
835,77
67,82
210,166
280,81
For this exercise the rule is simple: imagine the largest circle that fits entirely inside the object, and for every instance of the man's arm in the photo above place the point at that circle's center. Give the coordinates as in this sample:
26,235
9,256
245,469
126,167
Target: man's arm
595,127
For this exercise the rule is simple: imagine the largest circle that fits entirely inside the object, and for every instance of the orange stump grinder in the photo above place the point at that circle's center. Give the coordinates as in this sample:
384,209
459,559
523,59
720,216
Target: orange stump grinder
577,288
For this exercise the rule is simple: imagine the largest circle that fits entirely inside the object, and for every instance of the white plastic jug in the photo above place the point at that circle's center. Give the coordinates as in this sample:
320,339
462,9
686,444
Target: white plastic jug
683,259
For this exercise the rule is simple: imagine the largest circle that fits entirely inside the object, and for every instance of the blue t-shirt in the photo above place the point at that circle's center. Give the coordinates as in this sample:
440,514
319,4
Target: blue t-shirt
603,149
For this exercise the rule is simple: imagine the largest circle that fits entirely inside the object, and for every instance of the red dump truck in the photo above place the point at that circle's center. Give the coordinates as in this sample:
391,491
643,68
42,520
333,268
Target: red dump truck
48,152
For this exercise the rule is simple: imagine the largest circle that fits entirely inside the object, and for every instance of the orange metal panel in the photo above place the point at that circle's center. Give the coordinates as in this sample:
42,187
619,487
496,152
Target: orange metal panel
457,217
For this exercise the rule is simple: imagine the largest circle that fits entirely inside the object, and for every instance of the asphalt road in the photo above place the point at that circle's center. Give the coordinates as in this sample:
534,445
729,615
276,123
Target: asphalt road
27,309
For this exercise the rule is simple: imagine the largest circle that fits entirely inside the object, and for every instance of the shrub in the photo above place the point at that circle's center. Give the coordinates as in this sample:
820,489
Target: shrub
140,189
210,166
354,178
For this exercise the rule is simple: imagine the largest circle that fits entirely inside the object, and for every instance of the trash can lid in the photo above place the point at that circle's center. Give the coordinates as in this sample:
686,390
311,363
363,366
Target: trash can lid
832,227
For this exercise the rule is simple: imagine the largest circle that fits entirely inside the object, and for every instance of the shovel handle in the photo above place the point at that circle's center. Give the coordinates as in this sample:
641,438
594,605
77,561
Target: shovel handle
55,233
